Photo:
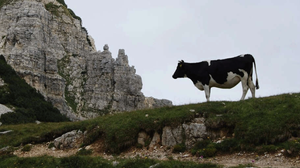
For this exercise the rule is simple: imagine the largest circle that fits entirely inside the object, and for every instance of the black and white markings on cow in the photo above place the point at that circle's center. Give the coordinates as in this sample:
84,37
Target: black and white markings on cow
225,73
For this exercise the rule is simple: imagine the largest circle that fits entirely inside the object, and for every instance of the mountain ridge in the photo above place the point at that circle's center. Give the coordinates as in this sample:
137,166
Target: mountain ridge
47,46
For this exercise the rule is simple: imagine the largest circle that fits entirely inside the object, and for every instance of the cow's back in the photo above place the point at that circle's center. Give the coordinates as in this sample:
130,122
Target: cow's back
219,69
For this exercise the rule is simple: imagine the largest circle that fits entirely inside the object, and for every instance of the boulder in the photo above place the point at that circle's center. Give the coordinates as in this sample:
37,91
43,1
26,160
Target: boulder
68,140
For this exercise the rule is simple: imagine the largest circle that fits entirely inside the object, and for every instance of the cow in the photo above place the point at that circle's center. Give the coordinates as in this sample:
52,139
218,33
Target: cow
225,73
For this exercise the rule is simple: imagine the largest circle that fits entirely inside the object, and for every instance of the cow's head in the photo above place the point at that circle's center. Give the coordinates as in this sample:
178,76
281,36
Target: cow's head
180,72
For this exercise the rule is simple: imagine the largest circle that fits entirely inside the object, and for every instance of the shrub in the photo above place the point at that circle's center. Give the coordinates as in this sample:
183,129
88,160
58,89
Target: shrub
266,148
205,148
52,8
179,148
229,145
74,15
51,145
292,147
85,152
27,148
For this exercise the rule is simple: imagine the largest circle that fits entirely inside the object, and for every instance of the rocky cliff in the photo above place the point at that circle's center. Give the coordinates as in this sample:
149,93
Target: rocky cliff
46,44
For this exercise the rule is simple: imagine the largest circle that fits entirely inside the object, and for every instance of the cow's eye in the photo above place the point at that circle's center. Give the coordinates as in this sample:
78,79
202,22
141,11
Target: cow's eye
180,65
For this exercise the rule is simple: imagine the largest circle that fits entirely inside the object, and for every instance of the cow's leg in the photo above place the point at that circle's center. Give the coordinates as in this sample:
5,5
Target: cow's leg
207,92
252,87
244,85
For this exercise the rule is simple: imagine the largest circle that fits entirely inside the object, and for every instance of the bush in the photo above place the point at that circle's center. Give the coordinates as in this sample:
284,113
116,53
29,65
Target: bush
292,148
84,152
205,148
51,145
52,8
179,148
228,145
27,148
266,148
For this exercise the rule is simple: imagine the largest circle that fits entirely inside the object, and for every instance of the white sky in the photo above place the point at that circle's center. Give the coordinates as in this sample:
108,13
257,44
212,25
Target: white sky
156,34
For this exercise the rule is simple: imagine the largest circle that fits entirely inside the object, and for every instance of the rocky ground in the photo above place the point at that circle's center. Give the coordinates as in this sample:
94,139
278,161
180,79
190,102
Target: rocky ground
277,160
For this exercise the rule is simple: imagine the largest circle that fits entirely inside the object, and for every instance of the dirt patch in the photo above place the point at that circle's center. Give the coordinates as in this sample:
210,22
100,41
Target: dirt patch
277,160
42,150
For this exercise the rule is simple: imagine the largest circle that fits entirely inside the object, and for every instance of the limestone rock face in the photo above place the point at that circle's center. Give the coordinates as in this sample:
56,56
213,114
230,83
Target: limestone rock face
54,54
189,133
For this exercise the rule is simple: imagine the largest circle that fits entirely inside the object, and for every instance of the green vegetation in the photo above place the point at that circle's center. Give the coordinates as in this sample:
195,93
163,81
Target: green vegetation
69,96
26,148
84,152
35,133
69,12
62,2
204,149
257,124
94,162
28,103
52,8
179,148
87,36
4,2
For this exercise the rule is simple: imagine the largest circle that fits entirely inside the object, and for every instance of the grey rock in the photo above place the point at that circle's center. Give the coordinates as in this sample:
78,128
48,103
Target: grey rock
4,109
1,82
151,102
6,132
167,137
153,166
194,132
6,150
68,140
142,137
188,133
115,163
155,140
53,55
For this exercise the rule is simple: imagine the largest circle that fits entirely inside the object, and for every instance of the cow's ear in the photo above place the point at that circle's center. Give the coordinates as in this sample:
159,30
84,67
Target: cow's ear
181,61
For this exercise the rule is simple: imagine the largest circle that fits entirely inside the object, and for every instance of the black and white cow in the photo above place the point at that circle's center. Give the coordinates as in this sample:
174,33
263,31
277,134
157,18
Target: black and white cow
224,73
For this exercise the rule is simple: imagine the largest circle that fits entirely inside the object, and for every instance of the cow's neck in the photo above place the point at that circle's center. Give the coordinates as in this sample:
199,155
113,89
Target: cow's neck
190,74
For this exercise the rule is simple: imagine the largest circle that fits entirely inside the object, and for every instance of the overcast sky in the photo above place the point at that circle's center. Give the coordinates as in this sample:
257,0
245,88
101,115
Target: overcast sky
156,34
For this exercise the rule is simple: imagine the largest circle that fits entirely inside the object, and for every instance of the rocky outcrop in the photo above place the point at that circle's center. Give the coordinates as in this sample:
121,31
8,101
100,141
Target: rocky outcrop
68,140
187,133
48,47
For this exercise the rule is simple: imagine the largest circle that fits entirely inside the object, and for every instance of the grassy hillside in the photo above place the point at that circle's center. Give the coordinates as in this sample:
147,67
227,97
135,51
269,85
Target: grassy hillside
255,123
29,105
95,162
259,125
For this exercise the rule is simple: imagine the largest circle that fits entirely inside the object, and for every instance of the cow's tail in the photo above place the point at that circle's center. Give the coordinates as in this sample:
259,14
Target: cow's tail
256,83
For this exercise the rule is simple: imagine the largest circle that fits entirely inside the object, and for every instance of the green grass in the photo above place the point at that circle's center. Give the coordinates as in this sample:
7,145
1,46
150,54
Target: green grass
93,162
255,123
